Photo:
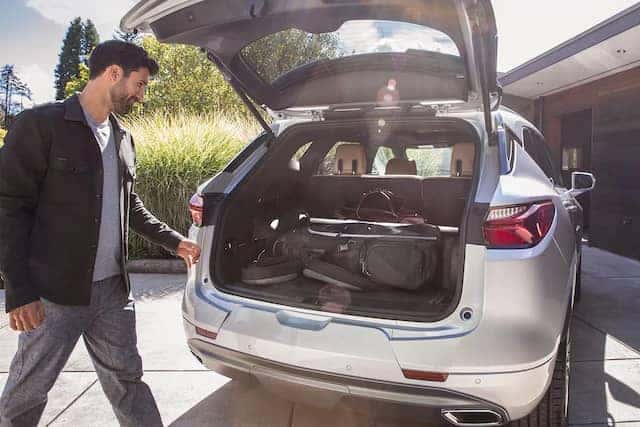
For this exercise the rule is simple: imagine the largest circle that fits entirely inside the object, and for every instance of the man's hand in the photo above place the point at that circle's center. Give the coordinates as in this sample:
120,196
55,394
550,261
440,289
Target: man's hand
189,251
28,317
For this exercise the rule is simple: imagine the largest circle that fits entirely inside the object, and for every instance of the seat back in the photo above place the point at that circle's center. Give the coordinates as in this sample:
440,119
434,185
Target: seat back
401,167
462,158
351,159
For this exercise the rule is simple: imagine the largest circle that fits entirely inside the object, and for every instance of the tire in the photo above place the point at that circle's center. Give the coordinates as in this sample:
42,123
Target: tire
553,409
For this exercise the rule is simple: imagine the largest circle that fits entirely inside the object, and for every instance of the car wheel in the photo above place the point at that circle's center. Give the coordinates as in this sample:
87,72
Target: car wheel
553,410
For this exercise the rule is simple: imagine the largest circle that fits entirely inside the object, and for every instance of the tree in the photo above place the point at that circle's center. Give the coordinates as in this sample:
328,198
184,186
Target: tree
187,81
77,83
69,59
90,39
279,53
127,37
23,91
10,87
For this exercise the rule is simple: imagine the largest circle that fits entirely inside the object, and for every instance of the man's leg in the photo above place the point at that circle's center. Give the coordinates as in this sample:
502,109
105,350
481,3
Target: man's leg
41,355
112,344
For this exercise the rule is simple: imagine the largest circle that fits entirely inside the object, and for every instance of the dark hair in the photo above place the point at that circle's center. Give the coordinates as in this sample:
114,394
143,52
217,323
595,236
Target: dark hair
129,56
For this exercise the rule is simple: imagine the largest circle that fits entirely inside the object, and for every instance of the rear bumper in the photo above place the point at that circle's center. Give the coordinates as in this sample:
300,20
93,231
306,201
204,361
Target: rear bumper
384,399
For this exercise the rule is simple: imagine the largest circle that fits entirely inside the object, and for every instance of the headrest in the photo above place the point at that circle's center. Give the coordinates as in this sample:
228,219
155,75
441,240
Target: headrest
462,159
351,159
401,167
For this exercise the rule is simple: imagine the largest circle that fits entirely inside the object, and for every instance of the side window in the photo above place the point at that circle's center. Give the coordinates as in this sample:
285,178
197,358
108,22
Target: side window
512,140
537,149
383,155
301,151
328,165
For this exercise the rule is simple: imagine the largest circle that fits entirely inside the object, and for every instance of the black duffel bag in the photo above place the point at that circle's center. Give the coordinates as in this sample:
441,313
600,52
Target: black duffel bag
397,256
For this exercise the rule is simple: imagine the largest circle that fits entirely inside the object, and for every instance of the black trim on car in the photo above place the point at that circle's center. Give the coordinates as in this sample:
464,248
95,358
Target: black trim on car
475,220
248,150
233,363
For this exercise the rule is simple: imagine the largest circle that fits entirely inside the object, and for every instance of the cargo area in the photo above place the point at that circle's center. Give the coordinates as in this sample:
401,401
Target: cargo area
358,217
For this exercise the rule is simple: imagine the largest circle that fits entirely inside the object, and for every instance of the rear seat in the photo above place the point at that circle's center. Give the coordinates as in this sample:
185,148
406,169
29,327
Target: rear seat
441,200
329,193
444,198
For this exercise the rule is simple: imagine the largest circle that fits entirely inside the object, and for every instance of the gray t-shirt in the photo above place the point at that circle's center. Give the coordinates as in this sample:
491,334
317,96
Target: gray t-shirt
109,250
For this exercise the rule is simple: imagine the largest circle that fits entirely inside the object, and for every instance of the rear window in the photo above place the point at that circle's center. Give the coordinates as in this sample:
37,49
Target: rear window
280,53
430,160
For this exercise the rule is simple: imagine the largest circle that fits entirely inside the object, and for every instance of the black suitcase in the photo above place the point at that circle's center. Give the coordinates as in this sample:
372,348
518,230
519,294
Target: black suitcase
396,255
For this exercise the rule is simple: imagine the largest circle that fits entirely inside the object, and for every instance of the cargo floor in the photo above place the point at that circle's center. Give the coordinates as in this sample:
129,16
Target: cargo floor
313,294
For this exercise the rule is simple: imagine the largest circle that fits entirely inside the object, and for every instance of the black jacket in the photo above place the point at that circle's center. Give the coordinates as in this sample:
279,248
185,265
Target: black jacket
51,204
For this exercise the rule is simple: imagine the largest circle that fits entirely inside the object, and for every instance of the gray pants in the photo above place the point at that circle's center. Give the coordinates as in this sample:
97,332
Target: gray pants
108,328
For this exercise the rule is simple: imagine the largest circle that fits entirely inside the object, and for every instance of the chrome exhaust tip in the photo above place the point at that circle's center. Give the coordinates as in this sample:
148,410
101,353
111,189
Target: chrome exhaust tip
473,417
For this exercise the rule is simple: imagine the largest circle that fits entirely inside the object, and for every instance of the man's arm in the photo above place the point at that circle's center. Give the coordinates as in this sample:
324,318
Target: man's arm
148,226
23,165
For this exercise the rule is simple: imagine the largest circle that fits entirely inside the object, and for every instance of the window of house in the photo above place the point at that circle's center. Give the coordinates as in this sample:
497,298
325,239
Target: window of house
571,158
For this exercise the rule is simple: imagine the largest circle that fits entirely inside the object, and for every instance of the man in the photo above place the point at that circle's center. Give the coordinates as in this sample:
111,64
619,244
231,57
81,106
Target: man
67,172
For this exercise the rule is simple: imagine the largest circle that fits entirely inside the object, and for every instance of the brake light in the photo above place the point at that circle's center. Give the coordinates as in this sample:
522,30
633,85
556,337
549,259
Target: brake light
196,207
518,227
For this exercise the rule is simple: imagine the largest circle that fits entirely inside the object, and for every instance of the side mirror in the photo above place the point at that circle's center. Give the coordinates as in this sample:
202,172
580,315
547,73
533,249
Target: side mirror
581,182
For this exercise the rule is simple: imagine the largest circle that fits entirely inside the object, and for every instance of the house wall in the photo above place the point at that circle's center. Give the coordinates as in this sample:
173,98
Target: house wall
615,154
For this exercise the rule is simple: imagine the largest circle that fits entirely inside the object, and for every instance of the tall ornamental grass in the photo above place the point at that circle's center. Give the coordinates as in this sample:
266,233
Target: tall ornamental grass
177,152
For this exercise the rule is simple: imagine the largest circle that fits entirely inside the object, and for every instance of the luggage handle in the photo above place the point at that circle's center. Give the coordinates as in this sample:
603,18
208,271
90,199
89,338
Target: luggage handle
385,194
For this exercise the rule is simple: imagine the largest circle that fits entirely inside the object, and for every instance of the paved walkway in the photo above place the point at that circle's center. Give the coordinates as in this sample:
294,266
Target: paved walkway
606,364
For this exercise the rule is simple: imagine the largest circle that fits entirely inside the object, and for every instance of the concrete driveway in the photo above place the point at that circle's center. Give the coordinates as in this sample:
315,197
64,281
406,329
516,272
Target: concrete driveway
606,364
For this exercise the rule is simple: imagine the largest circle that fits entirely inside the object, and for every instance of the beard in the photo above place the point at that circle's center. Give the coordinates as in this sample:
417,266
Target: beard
122,102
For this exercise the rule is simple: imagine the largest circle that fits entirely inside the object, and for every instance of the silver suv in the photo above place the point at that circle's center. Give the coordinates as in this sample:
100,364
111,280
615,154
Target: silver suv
394,236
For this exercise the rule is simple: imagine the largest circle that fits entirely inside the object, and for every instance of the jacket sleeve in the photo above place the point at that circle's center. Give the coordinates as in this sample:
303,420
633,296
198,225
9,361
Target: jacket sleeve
148,226
23,165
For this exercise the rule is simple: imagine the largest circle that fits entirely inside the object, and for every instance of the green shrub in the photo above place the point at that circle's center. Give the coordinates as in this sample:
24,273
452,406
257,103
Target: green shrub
175,154
2,134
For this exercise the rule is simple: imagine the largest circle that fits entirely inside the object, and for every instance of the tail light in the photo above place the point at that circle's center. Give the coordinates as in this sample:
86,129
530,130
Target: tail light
518,227
196,207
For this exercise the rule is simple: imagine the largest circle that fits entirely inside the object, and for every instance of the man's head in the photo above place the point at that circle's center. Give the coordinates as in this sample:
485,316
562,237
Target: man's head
124,70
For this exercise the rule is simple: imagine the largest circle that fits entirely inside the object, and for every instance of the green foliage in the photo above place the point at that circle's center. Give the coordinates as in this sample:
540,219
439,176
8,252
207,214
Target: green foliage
188,81
177,152
69,58
77,83
13,92
78,43
279,53
431,161
90,39
2,135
